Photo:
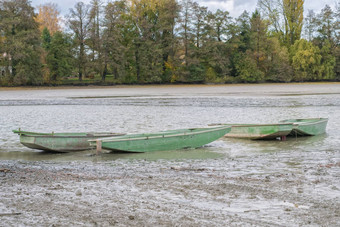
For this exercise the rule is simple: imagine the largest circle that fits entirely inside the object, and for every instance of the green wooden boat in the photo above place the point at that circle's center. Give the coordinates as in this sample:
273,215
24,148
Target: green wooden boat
162,141
308,126
260,131
60,142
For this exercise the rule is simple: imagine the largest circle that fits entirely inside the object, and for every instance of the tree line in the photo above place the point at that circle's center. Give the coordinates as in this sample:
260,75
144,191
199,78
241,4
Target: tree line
167,41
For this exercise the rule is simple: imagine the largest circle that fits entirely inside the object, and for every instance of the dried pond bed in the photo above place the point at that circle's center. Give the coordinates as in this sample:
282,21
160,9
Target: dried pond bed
167,193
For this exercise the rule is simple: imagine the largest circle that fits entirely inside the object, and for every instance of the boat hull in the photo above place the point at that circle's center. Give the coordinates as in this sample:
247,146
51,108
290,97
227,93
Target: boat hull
59,142
308,127
259,131
164,141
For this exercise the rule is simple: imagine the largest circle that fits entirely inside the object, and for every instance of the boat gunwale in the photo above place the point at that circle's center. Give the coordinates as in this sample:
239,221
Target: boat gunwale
259,125
160,136
321,120
65,135
85,136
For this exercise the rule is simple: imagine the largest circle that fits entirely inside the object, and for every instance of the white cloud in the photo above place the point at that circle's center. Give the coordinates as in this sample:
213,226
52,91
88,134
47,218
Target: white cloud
63,5
227,5
249,6
234,7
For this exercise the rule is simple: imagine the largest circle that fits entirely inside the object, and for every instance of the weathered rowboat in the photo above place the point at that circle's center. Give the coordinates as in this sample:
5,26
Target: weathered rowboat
60,142
308,126
162,141
260,131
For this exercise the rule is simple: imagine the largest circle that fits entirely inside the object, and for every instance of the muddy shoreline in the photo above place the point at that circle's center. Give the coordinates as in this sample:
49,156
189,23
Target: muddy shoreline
165,193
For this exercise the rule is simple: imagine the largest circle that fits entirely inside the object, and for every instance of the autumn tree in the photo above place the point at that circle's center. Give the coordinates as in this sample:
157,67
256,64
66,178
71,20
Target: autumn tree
293,16
306,61
272,10
144,17
49,17
286,18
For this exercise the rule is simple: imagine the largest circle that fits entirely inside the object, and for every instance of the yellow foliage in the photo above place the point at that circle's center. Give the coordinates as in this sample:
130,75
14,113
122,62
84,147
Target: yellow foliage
138,6
210,75
171,67
174,78
48,17
168,65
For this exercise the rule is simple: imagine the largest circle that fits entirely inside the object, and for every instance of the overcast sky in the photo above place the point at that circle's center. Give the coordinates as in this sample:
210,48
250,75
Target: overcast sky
234,7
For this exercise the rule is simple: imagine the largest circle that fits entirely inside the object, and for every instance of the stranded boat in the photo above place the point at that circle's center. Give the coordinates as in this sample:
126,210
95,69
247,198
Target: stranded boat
260,131
162,141
60,142
308,126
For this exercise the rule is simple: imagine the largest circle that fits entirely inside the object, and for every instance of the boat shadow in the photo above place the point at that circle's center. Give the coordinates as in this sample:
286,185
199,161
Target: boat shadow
292,143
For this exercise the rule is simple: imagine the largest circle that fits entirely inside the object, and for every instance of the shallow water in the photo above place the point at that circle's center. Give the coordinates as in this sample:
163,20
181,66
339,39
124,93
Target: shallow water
155,108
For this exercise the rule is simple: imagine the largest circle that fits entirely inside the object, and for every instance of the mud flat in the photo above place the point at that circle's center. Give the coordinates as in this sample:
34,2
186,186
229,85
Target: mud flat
168,193
227,183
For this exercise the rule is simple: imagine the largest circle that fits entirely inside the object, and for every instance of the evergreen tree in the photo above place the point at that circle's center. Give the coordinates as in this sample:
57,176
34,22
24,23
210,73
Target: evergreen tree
169,14
328,61
46,42
21,45
327,26
259,40
279,68
117,42
79,23
46,39
95,40
215,55
59,57
245,31
239,43
246,68
310,25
